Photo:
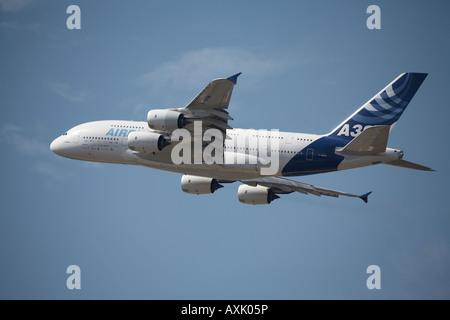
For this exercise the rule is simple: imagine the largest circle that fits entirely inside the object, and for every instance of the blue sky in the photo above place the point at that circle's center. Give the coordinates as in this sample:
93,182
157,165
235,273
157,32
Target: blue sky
306,66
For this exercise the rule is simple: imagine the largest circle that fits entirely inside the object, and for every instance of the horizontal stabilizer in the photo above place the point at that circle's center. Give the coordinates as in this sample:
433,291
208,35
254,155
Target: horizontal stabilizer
409,165
372,140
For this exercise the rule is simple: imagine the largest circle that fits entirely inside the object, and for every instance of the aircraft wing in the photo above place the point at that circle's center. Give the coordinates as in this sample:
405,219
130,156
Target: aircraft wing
211,103
284,186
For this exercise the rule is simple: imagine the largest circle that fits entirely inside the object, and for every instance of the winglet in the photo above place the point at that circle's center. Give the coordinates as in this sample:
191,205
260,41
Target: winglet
234,78
365,196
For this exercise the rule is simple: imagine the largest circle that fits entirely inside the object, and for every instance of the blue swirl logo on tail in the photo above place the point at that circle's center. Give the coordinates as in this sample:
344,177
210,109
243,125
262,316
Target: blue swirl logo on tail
383,109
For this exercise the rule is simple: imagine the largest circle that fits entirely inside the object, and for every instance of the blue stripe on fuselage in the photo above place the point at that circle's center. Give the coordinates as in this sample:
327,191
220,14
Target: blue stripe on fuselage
324,158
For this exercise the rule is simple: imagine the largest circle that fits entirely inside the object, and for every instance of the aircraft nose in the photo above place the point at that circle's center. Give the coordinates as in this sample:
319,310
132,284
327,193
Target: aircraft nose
55,146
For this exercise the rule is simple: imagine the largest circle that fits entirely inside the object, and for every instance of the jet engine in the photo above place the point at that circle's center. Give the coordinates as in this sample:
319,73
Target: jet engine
165,120
199,185
256,195
144,141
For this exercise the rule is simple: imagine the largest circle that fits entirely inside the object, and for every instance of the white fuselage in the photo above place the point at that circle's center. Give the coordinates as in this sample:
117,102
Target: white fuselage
107,141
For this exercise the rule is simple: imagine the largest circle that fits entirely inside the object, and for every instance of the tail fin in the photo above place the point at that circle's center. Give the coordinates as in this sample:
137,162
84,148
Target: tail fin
384,109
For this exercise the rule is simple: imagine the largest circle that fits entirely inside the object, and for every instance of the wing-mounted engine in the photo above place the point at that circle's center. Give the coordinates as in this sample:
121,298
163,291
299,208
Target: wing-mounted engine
256,195
199,185
145,141
166,120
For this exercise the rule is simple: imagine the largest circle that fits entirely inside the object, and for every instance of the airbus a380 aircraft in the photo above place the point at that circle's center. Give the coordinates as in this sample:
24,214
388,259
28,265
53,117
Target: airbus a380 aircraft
360,140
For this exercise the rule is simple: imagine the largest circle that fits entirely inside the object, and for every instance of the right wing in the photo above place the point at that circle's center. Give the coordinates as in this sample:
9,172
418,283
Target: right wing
284,186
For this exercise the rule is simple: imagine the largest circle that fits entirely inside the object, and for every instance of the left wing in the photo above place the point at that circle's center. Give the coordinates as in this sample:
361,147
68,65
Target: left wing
284,186
211,103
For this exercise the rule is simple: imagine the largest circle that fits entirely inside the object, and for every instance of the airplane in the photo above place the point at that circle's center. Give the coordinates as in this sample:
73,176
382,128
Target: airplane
359,141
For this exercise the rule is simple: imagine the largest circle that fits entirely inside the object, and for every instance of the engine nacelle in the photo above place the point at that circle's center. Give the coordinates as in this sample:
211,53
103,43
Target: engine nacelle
256,195
199,185
144,141
165,120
